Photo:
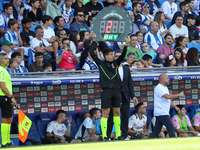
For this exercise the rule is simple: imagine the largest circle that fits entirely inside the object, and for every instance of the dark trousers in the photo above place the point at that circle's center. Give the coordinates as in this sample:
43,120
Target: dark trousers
160,121
124,119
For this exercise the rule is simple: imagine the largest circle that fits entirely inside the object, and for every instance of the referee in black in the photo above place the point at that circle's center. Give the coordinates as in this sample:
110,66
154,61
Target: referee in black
7,101
110,84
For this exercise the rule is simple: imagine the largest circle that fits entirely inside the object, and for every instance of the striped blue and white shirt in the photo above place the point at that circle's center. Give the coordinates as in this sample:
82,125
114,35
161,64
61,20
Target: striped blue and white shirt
67,14
154,40
144,19
12,37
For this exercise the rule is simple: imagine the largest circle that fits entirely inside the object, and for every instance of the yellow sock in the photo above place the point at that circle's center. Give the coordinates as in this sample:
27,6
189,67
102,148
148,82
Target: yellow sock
104,127
117,122
4,133
9,127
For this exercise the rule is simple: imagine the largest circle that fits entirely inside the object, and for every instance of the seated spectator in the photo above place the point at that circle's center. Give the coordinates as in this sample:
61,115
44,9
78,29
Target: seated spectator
170,61
67,12
196,121
192,29
93,8
57,131
184,7
166,48
137,122
196,7
140,36
75,37
6,48
135,27
181,42
12,66
26,34
136,12
60,23
129,60
83,36
191,6
134,64
79,24
87,131
146,17
155,6
66,58
119,3
142,64
178,54
18,9
49,33
4,18
197,23
182,121
148,59
132,48
17,56
107,3
53,8
153,38
36,13
169,9
37,65
85,115
160,19
192,57
13,36
47,67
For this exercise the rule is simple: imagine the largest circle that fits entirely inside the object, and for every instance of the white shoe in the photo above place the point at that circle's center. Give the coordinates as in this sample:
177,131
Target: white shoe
127,139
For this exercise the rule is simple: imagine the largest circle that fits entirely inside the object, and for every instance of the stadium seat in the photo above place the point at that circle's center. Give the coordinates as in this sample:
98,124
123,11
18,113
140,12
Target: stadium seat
42,122
168,23
174,113
30,57
33,27
194,110
74,128
79,119
192,44
149,118
173,45
161,1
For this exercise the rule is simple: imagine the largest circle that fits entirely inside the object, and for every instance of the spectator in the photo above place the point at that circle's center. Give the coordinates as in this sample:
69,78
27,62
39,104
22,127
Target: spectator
26,34
12,66
192,29
192,57
135,27
49,33
129,60
17,56
142,64
166,48
191,6
155,6
134,64
132,48
197,23
37,65
47,67
4,18
83,36
128,5
136,12
169,9
107,3
6,48
178,29
87,131
181,42
140,36
79,24
184,12
57,44
66,58
75,37
196,7
53,8
182,121
13,36
195,121
36,13
119,3
137,122
178,54
93,8
18,9
57,131
153,38
148,59
67,12
160,19
38,44
146,17
60,23
170,61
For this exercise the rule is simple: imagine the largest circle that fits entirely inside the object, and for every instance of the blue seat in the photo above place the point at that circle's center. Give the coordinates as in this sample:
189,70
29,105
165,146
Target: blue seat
174,113
42,122
30,57
194,110
149,118
161,1
168,23
173,45
79,119
33,27
192,44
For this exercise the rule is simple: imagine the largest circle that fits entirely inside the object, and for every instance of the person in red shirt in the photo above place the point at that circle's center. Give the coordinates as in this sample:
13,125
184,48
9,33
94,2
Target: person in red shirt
66,58
119,3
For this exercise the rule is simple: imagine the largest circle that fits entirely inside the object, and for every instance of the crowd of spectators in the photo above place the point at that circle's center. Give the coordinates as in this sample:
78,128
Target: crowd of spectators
62,30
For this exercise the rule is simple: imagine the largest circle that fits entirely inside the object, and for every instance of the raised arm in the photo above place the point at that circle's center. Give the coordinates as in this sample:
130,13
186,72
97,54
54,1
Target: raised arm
93,55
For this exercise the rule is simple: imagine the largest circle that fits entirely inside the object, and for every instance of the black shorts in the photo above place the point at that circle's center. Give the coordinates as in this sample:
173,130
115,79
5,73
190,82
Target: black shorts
57,140
110,98
6,107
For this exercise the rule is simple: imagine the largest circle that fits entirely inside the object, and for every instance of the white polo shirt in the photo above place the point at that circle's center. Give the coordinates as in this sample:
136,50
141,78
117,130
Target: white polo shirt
161,104
56,129
168,9
135,123
176,32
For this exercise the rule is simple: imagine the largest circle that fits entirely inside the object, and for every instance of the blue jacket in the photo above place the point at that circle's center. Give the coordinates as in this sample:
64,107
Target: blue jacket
15,13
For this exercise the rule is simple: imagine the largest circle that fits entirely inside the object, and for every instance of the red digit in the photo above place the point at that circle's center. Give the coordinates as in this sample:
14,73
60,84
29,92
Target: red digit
109,26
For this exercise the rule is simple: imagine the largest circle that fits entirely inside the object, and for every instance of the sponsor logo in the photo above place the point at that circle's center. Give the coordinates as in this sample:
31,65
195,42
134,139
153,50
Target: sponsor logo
16,83
56,82
91,106
16,111
199,101
84,97
149,98
143,83
149,83
182,86
71,108
50,98
37,82
181,81
63,87
50,93
194,86
187,81
70,86
194,96
71,97
64,92
97,90
30,94
30,105
149,88
138,79
83,86
43,93
131,105
90,85
77,91
136,83
145,104
195,101
97,96
90,91
23,94
195,77
91,102
36,99
23,106
57,93
150,103
95,80
188,102
36,88
77,86
84,102
30,111
64,97
77,96
137,93
50,104
198,90
149,93
36,93
43,99
84,91
143,88
22,89
188,97
175,87
44,110
98,106
143,93
70,102
98,101
23,100
57,103
65,108
37,105
77,102
194,91
176,102
43,88
57,108
78,107
24,110
97,85
188,91
30,99
84,107
175,92
194,81
56,87
136,88
70,92
44,104
16,94
182,102
15,89
64,103
155,78
49,88
175,82
143,99
91,96
51,109
178,77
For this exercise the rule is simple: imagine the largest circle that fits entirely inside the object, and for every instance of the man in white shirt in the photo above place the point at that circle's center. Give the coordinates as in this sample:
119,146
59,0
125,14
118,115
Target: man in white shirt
162,102
6,48
87,131
169,8
56,130
178,29
137,122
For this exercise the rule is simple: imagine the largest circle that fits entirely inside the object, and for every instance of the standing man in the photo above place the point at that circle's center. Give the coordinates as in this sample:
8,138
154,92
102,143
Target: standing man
7,101
126,94
162,102
110,84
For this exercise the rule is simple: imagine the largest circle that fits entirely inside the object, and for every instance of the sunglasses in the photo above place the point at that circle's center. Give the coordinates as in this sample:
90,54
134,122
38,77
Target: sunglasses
81,15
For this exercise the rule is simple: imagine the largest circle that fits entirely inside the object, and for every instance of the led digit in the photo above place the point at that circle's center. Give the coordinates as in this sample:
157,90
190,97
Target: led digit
109,26
115,26
102,26
121,26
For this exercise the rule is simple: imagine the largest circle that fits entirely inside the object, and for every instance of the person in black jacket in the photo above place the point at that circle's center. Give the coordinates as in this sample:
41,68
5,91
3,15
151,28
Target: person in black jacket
126,95
110,84
17,4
